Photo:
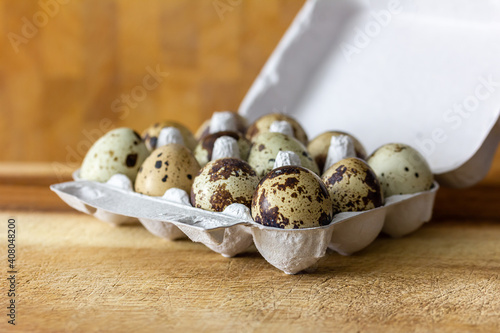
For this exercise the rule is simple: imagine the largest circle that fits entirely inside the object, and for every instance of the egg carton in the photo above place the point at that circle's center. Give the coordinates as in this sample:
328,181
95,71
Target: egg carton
233,231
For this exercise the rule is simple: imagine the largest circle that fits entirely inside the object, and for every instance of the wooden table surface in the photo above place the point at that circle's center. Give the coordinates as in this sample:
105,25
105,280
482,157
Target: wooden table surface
76,273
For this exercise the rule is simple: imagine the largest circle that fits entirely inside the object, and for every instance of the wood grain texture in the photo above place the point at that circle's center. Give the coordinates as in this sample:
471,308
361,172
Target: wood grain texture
77,274
82,275
60,79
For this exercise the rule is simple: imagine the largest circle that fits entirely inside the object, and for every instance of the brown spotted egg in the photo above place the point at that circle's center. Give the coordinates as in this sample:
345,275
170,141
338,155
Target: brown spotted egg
168,166
150,134
353,186
292,197
205,147
318,147
223,182
401,169
266,147
263,124
119,151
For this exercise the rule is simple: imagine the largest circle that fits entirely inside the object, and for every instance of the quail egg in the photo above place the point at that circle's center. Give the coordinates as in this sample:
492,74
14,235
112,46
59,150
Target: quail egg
168,166
267,145
204,149
401,169
119,151
318,147
262,125
204,129
223,182
150,134
292,197
353,186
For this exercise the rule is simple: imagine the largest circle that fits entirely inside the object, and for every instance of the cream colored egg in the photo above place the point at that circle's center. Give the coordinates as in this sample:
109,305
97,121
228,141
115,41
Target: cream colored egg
401,169
318,147
353,186
292,197
119,151
267,145
223,182
150,134
263,124
168,166
204,149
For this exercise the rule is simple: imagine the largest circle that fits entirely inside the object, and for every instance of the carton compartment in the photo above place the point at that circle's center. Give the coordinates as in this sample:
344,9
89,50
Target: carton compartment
233,231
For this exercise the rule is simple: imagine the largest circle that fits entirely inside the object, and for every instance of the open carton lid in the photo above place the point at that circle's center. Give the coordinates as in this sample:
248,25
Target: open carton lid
424,73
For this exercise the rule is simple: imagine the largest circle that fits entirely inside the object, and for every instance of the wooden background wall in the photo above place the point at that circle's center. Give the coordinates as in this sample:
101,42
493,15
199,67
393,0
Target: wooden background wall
66,65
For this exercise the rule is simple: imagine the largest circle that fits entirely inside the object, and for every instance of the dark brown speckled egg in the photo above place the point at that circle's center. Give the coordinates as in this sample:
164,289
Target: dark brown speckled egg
292,197
223,182
353,186
204,149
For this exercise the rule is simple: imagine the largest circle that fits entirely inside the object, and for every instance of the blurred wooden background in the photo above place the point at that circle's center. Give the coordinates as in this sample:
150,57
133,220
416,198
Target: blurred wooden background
67,66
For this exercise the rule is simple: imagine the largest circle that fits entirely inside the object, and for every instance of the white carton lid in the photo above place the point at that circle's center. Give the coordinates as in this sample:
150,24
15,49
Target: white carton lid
425,73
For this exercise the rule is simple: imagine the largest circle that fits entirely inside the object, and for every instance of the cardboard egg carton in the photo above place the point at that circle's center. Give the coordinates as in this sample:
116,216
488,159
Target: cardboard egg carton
416,72
233,231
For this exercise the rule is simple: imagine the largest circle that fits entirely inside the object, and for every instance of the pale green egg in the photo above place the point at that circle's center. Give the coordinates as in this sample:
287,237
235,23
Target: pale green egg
266,147
401,169
119,151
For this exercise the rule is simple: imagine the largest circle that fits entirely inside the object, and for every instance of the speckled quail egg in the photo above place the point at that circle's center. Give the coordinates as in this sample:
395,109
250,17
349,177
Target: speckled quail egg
119,151
204,149
262,125
204,129
353,186
267,145
223,182
292,197
318,147
168,166
401,169
150,134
